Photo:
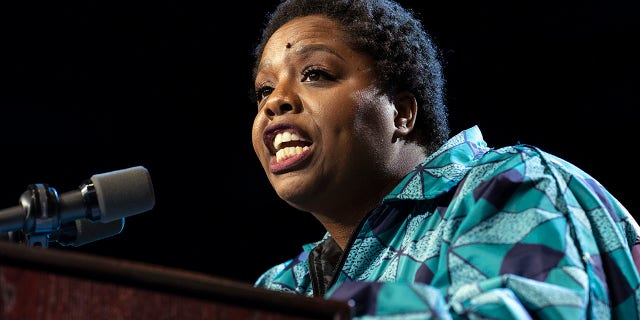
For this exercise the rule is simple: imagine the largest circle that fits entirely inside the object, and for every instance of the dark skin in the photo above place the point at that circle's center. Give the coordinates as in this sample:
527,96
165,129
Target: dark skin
349,146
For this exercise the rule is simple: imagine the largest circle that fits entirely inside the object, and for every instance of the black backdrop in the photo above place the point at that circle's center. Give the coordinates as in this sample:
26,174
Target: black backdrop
90,87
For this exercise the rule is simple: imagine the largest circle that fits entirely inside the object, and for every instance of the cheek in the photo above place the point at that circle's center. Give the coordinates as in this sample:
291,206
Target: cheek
256,135
371,131
356,108
374,116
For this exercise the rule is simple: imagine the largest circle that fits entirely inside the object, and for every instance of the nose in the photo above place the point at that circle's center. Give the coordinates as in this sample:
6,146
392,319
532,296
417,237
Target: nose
278,109
280,102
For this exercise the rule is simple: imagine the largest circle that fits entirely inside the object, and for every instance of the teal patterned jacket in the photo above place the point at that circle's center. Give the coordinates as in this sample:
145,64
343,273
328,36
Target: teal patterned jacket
475,232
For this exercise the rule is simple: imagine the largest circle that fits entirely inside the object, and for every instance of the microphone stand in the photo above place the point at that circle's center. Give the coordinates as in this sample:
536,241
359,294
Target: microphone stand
94,211
39,221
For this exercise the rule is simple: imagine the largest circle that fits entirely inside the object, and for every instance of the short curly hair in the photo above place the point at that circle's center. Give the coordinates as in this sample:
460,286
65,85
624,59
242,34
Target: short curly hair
405,55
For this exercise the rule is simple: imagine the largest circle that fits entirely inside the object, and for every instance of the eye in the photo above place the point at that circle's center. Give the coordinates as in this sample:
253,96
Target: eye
263,92
315,74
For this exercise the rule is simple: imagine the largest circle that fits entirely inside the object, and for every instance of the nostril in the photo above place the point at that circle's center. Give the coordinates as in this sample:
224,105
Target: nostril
284,108
270,113
278,109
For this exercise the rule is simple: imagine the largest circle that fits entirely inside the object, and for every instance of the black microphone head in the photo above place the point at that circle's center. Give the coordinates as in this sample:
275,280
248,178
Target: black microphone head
123,193
83,231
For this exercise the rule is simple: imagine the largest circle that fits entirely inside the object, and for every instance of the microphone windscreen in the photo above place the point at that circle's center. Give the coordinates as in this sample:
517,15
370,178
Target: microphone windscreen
123,193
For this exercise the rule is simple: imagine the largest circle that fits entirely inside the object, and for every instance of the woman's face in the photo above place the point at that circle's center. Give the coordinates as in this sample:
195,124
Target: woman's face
323,129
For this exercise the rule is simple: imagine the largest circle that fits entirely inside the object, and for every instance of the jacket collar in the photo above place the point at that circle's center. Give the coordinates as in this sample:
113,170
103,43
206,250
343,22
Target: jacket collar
443,169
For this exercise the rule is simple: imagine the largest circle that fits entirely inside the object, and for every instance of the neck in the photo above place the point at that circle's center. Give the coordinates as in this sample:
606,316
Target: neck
341,212
342,220
340,229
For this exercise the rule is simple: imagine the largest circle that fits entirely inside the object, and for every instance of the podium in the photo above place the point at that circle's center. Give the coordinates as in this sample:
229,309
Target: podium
54,284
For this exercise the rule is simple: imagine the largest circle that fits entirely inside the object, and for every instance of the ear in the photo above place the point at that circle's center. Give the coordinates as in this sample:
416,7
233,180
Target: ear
406,110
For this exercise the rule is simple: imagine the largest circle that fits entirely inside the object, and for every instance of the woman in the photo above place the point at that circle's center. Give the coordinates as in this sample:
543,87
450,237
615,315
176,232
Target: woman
351,126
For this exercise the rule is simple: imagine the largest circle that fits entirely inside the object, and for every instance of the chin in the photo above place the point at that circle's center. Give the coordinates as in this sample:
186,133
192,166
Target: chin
293,196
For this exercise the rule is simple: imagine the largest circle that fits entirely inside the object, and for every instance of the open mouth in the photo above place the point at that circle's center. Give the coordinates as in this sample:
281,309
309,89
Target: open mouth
287,144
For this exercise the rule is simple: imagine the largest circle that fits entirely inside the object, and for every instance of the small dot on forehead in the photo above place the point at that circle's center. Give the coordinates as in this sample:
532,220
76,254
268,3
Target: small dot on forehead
288,45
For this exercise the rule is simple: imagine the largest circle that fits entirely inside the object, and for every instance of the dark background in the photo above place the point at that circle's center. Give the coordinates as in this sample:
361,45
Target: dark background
90,87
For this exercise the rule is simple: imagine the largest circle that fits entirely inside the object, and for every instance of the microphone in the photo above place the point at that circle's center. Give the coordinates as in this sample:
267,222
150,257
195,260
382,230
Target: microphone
94,211
75,233
83,231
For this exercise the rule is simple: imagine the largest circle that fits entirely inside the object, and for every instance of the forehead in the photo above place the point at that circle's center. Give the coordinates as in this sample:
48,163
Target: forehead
303,31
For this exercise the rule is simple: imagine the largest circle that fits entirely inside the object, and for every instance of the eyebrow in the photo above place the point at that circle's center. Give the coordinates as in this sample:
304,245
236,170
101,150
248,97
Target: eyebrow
317,47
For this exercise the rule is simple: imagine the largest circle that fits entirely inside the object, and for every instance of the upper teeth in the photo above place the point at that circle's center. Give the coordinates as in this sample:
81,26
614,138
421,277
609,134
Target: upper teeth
285,137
